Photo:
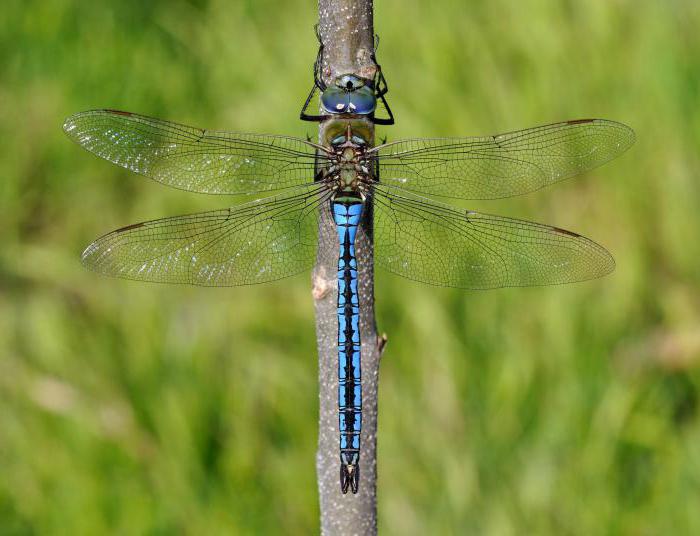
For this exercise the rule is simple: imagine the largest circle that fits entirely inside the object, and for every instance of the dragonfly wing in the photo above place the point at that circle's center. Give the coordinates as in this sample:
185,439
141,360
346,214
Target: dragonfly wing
189,158
447,246
252,243
504,165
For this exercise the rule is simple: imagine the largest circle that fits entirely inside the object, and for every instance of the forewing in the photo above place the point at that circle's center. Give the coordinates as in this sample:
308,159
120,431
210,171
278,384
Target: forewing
446,246
252,243
504,165
189,158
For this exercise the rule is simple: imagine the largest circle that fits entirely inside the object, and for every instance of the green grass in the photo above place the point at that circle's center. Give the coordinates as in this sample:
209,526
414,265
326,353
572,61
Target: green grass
130,408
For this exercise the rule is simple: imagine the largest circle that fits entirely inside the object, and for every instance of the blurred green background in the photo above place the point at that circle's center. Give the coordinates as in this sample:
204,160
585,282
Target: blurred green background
131,408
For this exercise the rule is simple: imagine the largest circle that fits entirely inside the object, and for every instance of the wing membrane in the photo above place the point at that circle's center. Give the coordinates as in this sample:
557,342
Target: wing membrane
252,243
189,158
504,165
446,246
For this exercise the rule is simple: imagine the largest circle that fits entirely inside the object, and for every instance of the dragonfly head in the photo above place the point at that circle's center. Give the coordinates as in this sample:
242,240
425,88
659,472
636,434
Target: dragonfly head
349,95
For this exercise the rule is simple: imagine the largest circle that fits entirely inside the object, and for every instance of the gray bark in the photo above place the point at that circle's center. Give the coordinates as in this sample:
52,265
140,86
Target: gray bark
346,29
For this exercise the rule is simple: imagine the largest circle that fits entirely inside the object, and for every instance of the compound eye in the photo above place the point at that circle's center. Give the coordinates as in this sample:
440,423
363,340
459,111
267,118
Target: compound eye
359,141
362,101
335,101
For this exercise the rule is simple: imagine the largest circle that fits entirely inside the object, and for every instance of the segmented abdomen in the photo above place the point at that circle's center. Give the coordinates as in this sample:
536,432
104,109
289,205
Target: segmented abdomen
346,215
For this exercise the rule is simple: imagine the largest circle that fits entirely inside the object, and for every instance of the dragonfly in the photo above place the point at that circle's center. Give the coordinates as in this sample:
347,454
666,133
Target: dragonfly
416,235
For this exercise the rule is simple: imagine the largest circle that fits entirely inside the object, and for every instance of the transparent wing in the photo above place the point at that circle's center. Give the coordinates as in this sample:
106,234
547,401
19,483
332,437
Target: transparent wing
189,158
252,243
504,165
446,246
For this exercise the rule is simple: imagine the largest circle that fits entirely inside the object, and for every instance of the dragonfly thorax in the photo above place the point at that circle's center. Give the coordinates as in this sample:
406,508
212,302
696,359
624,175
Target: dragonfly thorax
349,166
348,155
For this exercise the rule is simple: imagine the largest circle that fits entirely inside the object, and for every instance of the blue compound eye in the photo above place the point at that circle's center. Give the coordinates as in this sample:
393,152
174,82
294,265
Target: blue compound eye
335,101
362,101
352,98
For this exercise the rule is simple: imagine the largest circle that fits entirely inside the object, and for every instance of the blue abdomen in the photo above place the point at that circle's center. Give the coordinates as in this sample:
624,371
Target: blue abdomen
346,215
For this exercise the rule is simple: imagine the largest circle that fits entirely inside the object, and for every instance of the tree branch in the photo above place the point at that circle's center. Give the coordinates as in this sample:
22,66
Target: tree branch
346,30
